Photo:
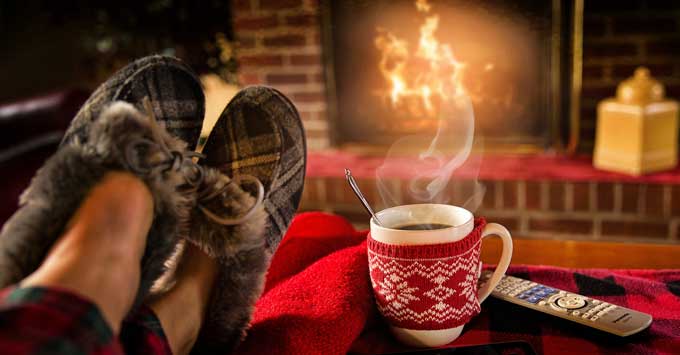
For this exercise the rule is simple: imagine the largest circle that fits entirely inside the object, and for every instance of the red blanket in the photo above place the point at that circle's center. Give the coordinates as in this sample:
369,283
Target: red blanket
318,300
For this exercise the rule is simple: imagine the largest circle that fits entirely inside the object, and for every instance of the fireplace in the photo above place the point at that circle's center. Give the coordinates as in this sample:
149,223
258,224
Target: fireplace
515,64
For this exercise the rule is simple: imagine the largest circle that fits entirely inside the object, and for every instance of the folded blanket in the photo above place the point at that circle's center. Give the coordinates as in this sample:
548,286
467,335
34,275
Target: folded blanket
318,300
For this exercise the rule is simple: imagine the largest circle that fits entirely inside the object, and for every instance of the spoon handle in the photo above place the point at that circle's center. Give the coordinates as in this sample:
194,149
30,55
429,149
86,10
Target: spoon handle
360,196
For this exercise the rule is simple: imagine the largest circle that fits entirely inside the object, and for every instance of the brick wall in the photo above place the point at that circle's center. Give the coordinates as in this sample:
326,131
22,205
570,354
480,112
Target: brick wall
540,209
279,44
618,36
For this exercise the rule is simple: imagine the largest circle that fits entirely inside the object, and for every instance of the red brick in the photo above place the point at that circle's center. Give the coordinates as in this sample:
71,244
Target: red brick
338,191
246,42
532,197
316,38
654,200
255,22
675,200
302,20
510,194
279,4
310,193
316,133
466,193
318,78
286,78
605,50
629,198
489,201
307,115
355,216
556,193
635,229
605,196
561,225
249,79
260,60
304,59
285,41
581,196
511,223
642,25
241,6
309,97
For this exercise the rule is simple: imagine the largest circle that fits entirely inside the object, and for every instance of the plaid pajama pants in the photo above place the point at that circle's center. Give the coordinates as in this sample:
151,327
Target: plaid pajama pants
38,320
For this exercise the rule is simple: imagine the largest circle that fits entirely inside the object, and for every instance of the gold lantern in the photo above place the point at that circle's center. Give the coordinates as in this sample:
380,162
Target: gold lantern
637,132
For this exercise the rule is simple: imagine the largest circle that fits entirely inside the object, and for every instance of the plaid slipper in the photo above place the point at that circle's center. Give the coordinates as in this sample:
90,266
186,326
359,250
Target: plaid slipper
174,96
172,87
258,137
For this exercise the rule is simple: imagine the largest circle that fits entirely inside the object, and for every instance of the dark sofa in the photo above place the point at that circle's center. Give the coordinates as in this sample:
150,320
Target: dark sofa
30,131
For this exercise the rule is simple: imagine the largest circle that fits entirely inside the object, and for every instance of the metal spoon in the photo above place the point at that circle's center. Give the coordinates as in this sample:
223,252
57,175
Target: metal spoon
355,188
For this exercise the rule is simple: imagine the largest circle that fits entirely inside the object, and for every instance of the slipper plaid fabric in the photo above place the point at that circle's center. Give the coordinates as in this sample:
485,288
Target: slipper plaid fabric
174,99
259,135
172,87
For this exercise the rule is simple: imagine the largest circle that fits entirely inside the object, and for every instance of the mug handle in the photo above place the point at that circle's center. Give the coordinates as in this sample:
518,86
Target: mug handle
502,232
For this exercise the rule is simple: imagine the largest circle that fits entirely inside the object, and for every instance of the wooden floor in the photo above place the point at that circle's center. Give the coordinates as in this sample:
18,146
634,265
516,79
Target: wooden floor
582,254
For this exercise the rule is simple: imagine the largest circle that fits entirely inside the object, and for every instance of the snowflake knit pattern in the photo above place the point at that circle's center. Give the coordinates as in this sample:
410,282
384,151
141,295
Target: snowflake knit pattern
427,287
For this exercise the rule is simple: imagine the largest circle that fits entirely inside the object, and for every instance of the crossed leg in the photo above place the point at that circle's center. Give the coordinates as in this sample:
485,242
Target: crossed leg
98,257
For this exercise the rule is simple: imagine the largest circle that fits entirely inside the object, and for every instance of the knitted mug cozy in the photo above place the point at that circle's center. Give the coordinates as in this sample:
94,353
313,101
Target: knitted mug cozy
427,287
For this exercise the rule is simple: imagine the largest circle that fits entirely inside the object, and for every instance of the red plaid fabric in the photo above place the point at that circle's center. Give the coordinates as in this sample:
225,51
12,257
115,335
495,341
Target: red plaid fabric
37,320
656,292
318,300
427,287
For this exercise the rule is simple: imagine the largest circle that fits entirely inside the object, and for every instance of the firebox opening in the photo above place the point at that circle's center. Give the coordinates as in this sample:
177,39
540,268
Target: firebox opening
511,55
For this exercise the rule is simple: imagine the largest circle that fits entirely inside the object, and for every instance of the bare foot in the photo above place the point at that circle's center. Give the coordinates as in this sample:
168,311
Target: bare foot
182,309
99,252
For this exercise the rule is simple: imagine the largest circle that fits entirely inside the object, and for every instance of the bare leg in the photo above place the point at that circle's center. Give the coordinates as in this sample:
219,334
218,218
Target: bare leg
98,255
182,309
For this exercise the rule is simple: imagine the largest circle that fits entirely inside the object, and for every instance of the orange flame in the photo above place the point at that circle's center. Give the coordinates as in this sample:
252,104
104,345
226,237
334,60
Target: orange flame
421,79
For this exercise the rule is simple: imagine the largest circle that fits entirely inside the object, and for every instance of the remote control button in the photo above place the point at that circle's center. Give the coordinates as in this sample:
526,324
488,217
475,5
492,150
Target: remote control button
601,313
611,308
594,318
571,302
533,299
562,292
542,303
596,302
575,313
558,308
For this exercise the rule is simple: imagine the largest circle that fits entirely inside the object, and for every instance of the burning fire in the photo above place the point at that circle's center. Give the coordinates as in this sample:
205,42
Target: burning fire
420,80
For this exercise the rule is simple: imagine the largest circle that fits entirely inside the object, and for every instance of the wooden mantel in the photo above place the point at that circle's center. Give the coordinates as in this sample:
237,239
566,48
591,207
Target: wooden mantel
585,254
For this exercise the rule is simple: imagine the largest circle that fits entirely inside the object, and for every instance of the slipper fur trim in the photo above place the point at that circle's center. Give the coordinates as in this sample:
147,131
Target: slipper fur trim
64,182
243,260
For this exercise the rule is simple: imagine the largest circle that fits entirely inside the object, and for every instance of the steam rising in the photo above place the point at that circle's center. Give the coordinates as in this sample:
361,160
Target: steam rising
427,85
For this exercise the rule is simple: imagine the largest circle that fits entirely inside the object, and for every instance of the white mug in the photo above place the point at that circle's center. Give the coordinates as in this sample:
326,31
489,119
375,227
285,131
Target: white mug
462,223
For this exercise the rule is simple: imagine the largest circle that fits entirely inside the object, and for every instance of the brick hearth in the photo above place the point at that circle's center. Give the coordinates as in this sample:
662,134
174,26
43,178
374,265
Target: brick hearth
551,203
